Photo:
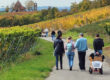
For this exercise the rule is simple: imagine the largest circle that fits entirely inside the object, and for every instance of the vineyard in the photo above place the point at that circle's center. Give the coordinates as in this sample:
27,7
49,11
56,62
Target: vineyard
20,18
76,20
15,41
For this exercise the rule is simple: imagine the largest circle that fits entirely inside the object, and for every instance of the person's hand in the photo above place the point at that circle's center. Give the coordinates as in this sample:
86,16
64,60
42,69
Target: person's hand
97,53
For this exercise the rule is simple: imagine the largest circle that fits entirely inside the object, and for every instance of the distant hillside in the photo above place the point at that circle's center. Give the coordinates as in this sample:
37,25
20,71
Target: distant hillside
41,7
2,9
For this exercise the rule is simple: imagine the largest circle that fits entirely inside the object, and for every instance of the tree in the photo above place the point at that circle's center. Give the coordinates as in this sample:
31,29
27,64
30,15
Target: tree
29,5
7,9
12,7
104,3
52,12
74,8
85,5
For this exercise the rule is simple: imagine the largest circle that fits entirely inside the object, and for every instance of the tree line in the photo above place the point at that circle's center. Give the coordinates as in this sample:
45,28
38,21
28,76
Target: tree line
88,4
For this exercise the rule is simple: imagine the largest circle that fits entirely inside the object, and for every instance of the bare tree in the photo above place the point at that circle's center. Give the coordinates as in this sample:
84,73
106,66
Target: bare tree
29,5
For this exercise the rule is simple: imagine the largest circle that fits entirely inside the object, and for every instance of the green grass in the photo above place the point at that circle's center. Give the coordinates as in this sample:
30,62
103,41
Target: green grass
33,67
2,13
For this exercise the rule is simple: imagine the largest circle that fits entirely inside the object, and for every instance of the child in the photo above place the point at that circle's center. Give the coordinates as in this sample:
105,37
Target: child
70,52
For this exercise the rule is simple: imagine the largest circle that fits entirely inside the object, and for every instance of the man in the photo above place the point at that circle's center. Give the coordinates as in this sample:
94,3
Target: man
98,44
81,45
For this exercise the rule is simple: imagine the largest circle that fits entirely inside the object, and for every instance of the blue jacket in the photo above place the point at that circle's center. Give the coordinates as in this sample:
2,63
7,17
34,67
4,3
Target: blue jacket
81,44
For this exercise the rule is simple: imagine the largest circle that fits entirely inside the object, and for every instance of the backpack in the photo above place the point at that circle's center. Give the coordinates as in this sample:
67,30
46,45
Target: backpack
69,47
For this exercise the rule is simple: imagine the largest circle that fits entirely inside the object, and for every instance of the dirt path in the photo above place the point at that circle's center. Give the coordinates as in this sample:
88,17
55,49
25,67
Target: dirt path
76,74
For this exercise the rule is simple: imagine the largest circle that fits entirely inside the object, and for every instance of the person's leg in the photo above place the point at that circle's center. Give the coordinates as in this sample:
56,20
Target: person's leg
83,60
52,37
80,60
57,61
68,59
61,61
100,52
71,60
47,34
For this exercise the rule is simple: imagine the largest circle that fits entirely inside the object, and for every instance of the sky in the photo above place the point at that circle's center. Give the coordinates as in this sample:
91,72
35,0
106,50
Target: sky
56,3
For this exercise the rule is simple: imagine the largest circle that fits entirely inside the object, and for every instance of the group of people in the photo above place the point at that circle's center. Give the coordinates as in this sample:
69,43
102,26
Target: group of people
69,49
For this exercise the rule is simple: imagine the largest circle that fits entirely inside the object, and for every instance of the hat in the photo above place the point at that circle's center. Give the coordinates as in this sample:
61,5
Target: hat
81,34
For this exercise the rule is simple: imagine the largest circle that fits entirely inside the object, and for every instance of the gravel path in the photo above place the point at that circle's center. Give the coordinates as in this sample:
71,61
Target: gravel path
76,74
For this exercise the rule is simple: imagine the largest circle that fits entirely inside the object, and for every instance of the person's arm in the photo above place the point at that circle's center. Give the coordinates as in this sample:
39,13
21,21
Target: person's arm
77,44
86,45
62,46
94,45
102,43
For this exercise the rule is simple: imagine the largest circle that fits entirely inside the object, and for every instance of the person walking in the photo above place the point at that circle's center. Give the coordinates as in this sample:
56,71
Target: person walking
81,45
53,35
46,31
70,52
59,51
98,44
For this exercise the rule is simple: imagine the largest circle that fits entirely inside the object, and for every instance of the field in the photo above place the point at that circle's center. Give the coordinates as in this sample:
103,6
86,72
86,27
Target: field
32,66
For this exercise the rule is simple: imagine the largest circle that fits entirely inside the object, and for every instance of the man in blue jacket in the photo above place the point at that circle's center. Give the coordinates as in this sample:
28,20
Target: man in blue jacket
81,45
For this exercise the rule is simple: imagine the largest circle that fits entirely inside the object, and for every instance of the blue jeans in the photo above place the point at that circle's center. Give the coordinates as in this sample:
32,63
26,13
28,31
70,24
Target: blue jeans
46,34
70,56
100,51
61,61
53,37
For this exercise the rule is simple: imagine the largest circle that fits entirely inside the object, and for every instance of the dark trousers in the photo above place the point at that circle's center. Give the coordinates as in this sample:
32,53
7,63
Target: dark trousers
81,56
61,61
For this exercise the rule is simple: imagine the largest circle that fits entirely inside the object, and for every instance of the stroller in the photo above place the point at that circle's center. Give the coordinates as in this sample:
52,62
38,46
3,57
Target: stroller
96,63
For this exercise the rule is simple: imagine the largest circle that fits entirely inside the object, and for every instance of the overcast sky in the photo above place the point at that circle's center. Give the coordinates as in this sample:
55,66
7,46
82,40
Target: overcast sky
56,3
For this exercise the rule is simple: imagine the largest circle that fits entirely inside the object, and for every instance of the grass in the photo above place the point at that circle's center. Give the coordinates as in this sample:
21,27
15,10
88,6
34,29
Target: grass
33,67
2,13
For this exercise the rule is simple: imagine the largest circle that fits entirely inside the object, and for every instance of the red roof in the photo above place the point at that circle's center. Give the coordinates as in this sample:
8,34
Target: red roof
18,6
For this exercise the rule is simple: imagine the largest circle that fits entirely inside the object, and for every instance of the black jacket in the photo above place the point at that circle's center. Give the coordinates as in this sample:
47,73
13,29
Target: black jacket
98,44
59,46
53,33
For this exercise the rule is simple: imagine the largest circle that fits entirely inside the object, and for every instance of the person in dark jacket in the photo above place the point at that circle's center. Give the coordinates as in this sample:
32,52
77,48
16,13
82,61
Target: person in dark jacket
53,35
59,50
98,44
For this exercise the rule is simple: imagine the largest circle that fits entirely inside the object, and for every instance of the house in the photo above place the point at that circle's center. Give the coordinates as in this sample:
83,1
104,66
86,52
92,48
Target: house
19,7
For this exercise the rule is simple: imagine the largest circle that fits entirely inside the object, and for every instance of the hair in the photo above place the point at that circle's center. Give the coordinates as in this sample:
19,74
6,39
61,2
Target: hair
97,35
81,34
59,35
69,38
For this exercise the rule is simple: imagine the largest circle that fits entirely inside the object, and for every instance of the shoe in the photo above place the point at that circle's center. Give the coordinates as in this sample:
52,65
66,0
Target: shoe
70,68
56,68
61,68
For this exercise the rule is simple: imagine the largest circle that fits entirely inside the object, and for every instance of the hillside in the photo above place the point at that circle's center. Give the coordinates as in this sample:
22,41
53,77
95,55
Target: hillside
76,20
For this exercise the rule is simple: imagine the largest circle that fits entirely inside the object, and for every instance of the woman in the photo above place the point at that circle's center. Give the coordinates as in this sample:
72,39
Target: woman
59,50
70,52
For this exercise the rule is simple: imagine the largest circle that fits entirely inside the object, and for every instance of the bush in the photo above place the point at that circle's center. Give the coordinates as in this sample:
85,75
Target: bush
15,41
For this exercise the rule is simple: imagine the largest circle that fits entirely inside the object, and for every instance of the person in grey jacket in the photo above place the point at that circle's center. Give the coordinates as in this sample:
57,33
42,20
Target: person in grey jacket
59,50
81,45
